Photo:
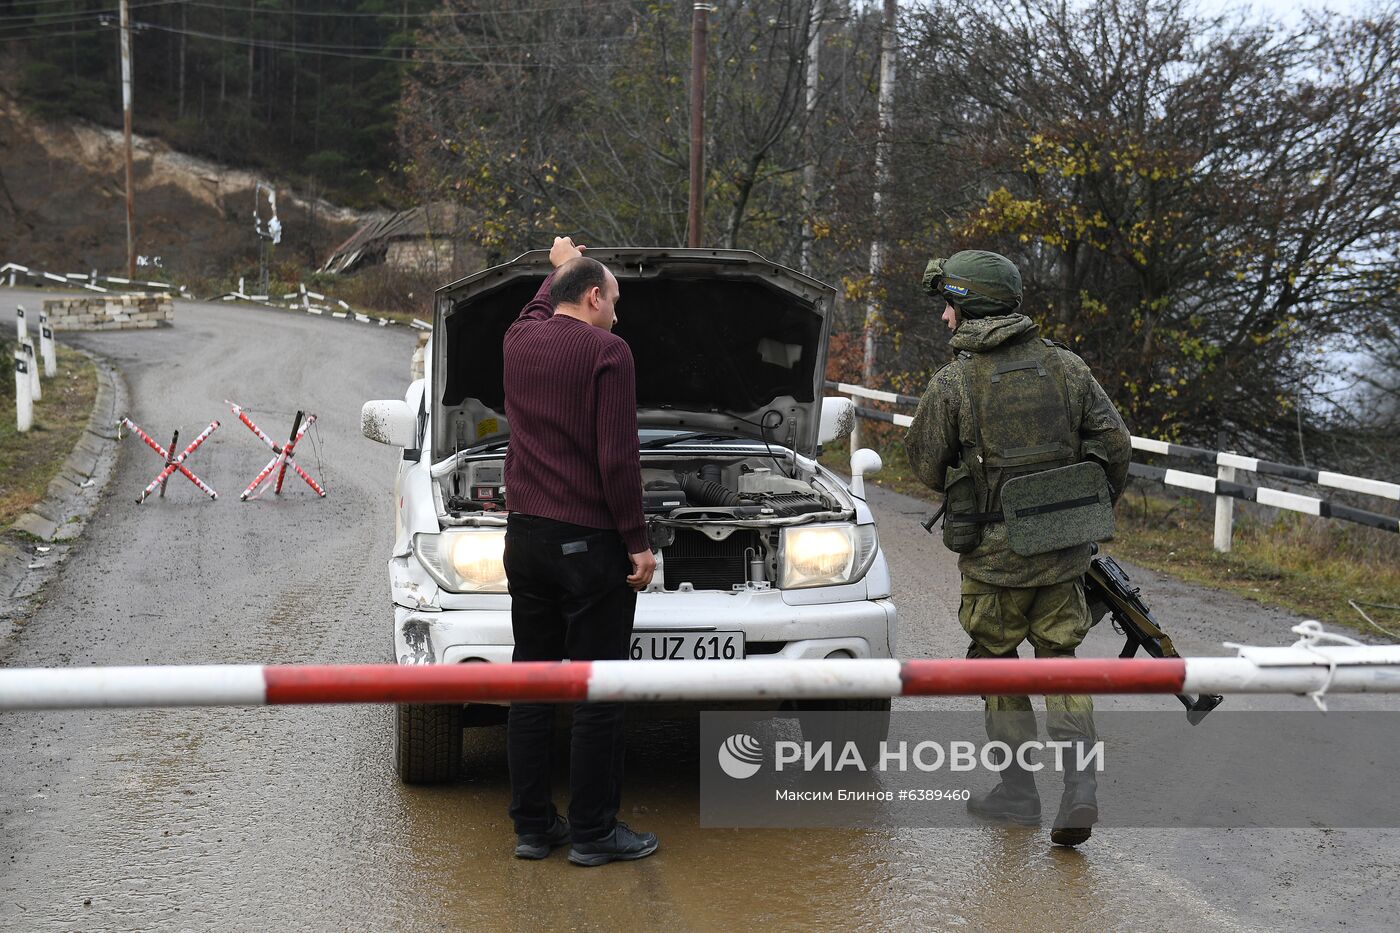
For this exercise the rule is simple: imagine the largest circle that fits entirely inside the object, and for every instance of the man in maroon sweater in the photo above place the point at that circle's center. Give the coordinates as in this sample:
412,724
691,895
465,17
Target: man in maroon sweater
576,547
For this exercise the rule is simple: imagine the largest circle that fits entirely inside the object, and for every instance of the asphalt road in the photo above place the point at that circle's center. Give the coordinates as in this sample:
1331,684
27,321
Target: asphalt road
290,818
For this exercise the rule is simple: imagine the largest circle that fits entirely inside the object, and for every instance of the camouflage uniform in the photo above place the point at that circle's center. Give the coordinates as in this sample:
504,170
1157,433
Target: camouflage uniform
1007,598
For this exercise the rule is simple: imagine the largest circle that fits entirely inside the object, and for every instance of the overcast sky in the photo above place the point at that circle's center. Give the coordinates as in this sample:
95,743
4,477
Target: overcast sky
1287,11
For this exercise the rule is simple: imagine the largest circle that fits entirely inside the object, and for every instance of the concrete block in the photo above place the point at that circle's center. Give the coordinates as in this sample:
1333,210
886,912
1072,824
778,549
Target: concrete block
82,462
68,531
61,488
36,525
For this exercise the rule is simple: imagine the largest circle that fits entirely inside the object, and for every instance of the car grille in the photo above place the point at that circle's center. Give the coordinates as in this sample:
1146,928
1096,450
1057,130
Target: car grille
707,564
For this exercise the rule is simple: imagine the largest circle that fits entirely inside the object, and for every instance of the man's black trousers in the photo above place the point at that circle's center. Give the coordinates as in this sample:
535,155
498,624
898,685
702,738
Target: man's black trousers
569,599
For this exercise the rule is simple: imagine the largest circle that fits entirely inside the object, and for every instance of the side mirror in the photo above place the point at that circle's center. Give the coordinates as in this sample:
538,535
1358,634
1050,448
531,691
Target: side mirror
838,418
389,421
863,461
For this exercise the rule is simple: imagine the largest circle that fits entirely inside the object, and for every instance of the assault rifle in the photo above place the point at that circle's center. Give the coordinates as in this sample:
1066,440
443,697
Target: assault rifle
1107,590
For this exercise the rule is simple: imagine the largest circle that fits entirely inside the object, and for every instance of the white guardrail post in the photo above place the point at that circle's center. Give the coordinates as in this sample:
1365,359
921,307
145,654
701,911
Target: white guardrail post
24,405
1224,505
36,391
46,345
855,427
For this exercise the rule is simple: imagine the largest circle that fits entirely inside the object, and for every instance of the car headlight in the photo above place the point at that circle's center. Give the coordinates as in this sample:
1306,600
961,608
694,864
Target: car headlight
824,555
465,560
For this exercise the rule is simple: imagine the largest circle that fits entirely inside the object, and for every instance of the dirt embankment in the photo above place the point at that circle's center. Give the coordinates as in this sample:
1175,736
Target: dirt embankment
62,204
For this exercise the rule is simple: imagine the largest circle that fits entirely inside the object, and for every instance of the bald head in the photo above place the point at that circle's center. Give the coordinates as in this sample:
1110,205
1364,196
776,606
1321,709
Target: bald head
584,288
574,278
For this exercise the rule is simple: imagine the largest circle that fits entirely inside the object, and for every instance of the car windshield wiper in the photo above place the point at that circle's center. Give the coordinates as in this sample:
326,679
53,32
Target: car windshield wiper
678,438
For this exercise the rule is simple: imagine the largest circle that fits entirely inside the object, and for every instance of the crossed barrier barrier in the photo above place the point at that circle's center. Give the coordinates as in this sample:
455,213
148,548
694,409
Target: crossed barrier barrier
172,460
281,460
1222,486
282,454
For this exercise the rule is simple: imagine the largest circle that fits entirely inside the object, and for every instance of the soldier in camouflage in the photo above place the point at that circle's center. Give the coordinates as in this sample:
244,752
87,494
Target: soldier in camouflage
1013,405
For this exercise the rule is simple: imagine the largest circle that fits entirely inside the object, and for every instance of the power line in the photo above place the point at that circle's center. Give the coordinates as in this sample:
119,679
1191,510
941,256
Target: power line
581,6
78,16
17,3
53,35
282,45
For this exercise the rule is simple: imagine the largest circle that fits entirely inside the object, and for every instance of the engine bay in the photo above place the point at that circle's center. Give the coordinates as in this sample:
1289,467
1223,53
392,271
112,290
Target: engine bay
714,521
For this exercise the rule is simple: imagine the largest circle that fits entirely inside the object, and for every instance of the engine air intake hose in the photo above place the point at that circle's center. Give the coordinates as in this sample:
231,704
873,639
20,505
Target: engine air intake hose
705,492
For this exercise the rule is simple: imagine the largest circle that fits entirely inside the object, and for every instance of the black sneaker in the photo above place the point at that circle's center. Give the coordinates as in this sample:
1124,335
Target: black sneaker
539,845
620,845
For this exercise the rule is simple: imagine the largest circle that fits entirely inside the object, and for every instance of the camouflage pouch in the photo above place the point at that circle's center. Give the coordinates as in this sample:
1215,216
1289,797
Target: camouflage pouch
1056,509
960,534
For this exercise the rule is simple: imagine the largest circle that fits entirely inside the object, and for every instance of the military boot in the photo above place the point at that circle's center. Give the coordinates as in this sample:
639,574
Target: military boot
1014,800
1079,809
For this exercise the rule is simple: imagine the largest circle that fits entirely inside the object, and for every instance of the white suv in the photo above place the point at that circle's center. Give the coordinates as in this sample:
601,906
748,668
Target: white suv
761,551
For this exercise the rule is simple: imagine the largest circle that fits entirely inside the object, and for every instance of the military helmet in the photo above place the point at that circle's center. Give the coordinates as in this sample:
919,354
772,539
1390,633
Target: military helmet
976,282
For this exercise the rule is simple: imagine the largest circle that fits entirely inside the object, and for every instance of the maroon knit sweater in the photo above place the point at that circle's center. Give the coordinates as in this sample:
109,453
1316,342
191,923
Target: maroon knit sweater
571,400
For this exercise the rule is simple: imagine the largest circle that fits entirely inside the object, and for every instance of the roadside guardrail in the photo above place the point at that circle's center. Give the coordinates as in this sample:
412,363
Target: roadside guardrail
303,299
1222,486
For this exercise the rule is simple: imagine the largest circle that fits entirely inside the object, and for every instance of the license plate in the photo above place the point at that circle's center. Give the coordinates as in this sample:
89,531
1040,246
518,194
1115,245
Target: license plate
687,646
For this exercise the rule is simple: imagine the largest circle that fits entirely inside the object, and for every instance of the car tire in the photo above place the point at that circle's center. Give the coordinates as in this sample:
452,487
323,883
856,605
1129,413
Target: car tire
867,729
428,743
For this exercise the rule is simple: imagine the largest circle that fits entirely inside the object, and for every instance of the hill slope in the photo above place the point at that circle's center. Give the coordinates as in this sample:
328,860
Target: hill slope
62,204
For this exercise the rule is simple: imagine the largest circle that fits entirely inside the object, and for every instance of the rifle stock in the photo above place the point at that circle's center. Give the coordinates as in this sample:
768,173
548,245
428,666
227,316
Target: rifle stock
1107,584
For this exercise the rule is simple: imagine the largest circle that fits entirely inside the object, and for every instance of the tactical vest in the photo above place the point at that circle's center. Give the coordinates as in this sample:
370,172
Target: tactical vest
1022,424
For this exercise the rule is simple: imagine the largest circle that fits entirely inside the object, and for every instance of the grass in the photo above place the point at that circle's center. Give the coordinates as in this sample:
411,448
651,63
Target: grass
30,461
1300,563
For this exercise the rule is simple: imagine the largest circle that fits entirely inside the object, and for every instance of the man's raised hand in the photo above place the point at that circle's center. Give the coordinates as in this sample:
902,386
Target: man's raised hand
563,250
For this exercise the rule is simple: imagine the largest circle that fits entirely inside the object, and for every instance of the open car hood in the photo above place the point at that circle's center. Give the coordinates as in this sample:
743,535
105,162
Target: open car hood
721,338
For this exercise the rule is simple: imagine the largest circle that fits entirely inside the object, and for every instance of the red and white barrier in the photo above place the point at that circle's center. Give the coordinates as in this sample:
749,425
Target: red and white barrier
1297,670
172,462
283,455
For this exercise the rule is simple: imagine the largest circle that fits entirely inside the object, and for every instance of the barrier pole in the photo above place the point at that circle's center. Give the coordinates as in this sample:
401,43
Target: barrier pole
24,405
1315,670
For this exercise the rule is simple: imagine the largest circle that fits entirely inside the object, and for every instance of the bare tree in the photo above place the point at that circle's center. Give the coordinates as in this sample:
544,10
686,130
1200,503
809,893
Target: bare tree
1198,204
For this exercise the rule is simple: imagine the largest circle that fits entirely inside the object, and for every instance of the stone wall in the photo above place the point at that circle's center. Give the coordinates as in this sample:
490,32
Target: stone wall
110,312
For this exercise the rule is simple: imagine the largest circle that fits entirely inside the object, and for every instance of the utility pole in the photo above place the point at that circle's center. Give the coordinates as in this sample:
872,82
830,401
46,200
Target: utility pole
809,170
885,108
126,134
698,24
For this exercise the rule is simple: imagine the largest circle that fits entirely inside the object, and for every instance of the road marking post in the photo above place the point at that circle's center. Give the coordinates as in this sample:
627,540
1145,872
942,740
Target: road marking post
46,346
21,325
282,454
172,463
24,405
36,391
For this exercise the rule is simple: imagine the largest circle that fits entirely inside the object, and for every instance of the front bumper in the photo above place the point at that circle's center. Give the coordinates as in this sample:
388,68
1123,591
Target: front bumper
771,627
